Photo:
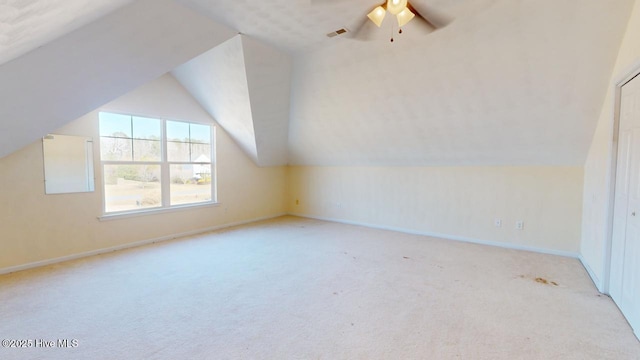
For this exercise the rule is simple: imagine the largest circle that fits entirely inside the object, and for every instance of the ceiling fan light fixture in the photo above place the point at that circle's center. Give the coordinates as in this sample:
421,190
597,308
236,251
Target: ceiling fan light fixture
377,15
396,6
404,17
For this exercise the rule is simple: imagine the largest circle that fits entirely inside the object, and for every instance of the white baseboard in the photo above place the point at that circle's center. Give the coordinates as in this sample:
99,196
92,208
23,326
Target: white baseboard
596,281
375,226
446,236
36,264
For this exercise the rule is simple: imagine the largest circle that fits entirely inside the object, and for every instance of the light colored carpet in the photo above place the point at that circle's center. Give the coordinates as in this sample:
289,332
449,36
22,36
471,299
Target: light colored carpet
295,288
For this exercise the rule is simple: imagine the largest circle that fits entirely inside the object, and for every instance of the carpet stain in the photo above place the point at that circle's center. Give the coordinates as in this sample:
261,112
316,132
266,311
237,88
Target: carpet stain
540,280
545,281
406,257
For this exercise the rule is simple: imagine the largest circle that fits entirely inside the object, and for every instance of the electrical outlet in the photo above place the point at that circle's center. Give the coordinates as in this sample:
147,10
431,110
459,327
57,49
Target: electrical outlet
497,222
519,225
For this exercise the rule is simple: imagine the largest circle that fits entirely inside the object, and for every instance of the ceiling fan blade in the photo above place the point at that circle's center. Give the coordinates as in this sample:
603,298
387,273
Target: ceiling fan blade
422,22
432,18
363,29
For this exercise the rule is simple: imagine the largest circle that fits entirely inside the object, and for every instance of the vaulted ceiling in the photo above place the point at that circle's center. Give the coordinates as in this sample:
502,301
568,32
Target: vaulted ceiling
507,82
29,24
515,83
74,74
245,86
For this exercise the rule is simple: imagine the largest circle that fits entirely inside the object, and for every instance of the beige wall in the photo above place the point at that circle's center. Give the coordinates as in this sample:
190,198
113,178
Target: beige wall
598,165
455,202
38,227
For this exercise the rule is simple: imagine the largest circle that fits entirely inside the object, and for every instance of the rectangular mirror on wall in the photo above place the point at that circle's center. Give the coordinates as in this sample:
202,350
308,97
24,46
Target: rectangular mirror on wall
68,164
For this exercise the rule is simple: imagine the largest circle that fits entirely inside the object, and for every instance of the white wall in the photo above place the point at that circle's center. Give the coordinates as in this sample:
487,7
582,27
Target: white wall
37,227
598,165
453,202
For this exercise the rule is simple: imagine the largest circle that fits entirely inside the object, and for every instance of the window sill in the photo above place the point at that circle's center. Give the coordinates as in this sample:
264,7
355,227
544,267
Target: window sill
130,214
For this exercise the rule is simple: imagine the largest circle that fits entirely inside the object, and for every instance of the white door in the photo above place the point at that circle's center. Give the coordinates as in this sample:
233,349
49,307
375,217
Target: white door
625,247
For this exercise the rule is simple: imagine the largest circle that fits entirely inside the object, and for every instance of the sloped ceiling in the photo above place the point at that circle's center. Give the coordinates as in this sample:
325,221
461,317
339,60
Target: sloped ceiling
301,25
82,70
269,80
509,82
28,24
245,86
517,83
218,81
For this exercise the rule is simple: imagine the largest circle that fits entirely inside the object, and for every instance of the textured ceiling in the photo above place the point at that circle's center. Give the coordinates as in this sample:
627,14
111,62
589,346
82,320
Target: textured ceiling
292,25
218,81
28,24
245,86
301,25
508,82
81,71
517,83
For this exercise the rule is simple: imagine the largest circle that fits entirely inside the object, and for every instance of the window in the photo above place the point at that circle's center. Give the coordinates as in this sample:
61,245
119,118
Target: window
152,163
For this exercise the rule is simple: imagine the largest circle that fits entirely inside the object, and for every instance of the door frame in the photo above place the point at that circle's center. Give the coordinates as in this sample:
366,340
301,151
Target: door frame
612,169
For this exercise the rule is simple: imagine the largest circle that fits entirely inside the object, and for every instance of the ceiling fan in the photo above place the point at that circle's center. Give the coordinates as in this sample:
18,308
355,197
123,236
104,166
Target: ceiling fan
404,12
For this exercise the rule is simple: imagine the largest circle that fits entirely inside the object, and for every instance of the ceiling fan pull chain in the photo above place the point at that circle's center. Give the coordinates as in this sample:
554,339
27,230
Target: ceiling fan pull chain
392,30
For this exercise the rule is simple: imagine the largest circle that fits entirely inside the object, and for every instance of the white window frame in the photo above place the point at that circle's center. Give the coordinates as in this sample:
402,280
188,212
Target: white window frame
165,172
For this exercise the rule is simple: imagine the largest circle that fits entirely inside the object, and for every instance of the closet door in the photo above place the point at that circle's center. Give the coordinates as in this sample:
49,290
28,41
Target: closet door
625,250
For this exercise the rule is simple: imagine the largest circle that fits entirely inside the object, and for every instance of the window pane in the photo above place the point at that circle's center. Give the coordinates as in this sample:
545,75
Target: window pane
131,140
190,184
146,150
177,131
146,128
115,125
115,149
200,133
131,187
178,152
200,153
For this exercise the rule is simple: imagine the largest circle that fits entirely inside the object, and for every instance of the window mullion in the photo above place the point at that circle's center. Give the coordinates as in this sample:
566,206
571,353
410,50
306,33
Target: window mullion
133,150
140,177
165,169
214,166
189,142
